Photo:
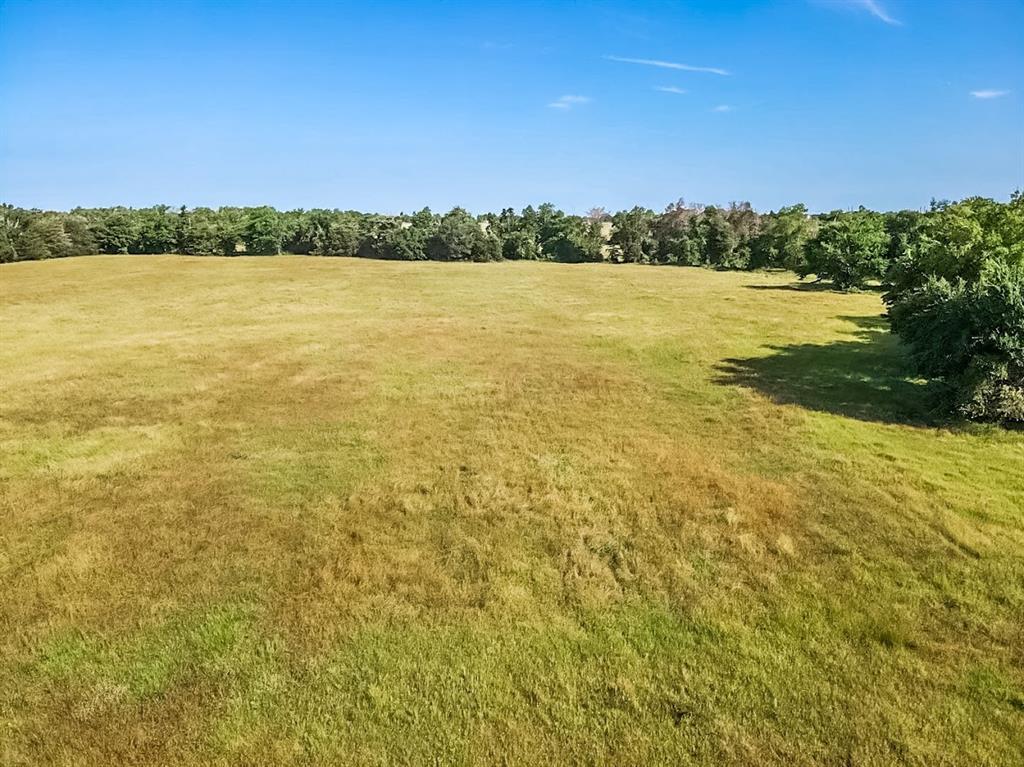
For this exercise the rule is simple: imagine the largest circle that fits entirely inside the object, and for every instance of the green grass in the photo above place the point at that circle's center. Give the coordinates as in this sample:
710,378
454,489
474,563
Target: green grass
332,511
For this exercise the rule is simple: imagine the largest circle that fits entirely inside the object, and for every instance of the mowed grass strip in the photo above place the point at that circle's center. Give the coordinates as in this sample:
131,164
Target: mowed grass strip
324,511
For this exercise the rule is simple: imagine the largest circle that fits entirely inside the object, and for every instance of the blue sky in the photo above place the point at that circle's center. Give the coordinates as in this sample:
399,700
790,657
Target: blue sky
392,106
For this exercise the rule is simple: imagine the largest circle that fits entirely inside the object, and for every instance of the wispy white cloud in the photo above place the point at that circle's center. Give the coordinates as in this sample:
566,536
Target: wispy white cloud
667,65
989,94
871,6
669,89
722,108
877,11
568,102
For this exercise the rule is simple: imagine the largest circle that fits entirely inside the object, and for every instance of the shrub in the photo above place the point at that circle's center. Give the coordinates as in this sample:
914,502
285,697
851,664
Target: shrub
971,336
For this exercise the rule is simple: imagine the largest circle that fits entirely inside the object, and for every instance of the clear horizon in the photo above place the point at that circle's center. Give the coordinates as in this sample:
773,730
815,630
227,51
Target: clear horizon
395,107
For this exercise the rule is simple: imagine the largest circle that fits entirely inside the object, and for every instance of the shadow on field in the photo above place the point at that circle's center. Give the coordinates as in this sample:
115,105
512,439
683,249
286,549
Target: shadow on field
812,287
865,378
802,287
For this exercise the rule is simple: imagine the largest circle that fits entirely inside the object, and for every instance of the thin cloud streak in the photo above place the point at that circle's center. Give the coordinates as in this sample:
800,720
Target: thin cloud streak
667,65
878,12
722,108
989,94
568,102
669,89
871,6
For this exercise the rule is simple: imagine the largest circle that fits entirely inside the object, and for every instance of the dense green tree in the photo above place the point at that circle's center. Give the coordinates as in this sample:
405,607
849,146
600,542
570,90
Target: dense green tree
12,220
520,234
155,230
230,229
377,235
117,231
632,237
519,245
409,240
262,231
549,224
958,241
746,224
78,229
460,237
576,241
782,242
849,249
904,228
198,232
502,224
970,335
677,237
32,235
560,237
296,232
334,233
719,239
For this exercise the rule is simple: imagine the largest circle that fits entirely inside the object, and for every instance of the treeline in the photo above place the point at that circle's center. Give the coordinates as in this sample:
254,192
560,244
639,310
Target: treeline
850,248
686,235
953,276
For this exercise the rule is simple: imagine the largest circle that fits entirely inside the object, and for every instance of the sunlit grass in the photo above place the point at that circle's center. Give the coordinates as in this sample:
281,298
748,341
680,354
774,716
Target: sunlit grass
259,511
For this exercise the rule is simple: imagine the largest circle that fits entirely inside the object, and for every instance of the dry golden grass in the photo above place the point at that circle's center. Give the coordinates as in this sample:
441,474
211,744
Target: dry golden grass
322,511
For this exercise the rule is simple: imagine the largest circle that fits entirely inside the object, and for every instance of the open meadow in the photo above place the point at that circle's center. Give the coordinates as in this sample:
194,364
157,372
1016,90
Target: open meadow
339,511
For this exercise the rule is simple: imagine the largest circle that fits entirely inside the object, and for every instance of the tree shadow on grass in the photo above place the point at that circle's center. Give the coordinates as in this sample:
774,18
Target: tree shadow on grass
813,287
800,287
866,377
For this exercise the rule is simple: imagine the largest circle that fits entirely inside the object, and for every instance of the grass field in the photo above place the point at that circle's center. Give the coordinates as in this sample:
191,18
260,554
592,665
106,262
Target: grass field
332,511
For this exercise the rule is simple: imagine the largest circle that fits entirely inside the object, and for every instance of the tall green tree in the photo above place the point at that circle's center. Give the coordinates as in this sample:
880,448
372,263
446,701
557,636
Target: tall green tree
262,231
719,239
849,249
117,231
460,237
632,239
782,243
958,241
155,230
32,235
678,239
